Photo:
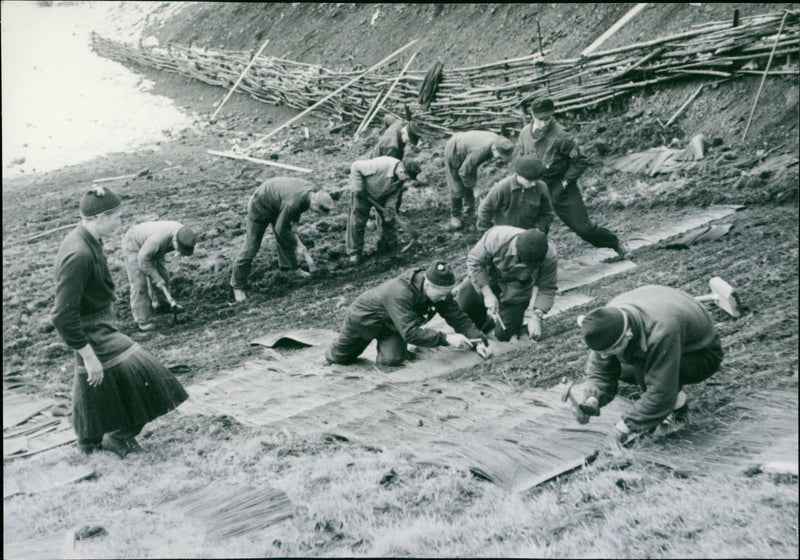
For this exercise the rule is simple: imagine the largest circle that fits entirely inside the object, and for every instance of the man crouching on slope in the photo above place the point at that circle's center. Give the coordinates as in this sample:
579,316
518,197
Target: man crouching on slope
657,337
394,312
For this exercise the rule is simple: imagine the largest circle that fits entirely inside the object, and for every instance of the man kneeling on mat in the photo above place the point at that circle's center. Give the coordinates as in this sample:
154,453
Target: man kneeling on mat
394,313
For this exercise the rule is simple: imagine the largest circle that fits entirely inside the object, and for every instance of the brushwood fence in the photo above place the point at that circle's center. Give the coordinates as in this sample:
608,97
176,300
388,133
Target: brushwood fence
492,96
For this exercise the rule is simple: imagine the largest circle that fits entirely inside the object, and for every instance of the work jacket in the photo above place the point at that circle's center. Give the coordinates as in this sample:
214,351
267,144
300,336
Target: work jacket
400,305
508,203
557,149
391,141
281,201
466,151
666,323
151,241
494,262
376,178
84,286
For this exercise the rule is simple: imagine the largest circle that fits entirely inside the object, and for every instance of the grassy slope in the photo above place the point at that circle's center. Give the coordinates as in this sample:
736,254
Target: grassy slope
619,506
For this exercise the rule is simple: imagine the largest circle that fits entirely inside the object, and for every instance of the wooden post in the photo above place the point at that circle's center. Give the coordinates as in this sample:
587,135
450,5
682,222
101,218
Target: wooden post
388,93
613,29
539,33
241,77
324,99
261,161
764,77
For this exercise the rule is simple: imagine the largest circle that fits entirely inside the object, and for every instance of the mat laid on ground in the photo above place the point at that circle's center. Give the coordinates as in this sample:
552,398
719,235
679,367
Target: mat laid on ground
295,338
30,425
763,429
232,510
38,481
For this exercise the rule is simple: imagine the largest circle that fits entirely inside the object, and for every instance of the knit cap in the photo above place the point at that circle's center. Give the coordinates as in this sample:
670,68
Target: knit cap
98,201
603,327
414,133
504,147
440,274
542,107
412,167
186,239
531,246
529,167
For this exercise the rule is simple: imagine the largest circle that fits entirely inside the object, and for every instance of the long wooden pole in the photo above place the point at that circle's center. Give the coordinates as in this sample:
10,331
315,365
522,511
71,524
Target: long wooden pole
324,99
764,77
368,115
613,29
241,77
385,97
261,161
686,104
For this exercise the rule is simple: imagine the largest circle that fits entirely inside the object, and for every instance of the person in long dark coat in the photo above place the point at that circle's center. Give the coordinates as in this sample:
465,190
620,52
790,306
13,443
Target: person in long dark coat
118,386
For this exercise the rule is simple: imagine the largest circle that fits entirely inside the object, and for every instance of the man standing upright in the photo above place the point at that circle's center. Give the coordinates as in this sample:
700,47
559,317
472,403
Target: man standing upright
376,183
564,162
145,246
278,202
463,154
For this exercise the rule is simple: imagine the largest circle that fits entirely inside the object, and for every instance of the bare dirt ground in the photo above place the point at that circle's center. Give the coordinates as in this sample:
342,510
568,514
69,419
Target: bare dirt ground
347,510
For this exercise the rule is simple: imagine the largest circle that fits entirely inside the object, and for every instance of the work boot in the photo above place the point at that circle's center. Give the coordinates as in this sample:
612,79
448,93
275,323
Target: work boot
148,326
117,447
300,273
622,251
354,259
455,224
239,295
133,445
470,222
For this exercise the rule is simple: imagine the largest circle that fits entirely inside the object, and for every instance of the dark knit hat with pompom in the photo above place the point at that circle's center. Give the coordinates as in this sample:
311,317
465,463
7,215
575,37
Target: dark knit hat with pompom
99,200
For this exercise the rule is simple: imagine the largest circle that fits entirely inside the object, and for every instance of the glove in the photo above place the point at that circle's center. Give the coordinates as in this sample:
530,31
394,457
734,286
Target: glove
590,406
457,340
621,432
491,303
535,327
484,350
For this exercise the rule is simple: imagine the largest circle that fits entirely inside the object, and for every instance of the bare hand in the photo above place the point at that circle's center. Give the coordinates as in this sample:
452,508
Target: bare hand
94,370
457,340
491,303
535,327
483,350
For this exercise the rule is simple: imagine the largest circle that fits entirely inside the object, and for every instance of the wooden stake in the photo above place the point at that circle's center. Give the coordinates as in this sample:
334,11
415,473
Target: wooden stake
324,99
613,29
385,97
539,33
686,104
241,77
48,232
366,116
764,77
262,161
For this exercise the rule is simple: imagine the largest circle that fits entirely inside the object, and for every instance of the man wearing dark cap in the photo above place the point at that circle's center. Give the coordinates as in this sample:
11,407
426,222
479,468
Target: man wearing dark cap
396,138
503,267
145,246
118,386
564,162
657,337
463,154
278,202
394,313
376,183
520,200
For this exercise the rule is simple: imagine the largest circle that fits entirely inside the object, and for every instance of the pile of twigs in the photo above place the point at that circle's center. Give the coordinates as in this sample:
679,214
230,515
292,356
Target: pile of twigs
491,96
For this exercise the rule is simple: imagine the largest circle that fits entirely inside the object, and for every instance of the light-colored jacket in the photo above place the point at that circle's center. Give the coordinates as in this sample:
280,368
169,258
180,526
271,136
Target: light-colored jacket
493,261
375,177
466,151
151,241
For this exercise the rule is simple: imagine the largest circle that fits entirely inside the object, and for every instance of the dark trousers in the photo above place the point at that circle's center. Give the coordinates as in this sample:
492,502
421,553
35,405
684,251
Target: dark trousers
243,264
357,223
569,207
694,368
349,345
89,443
470,301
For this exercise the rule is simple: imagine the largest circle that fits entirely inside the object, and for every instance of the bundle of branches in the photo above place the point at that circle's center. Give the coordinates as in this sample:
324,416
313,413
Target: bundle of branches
492,96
